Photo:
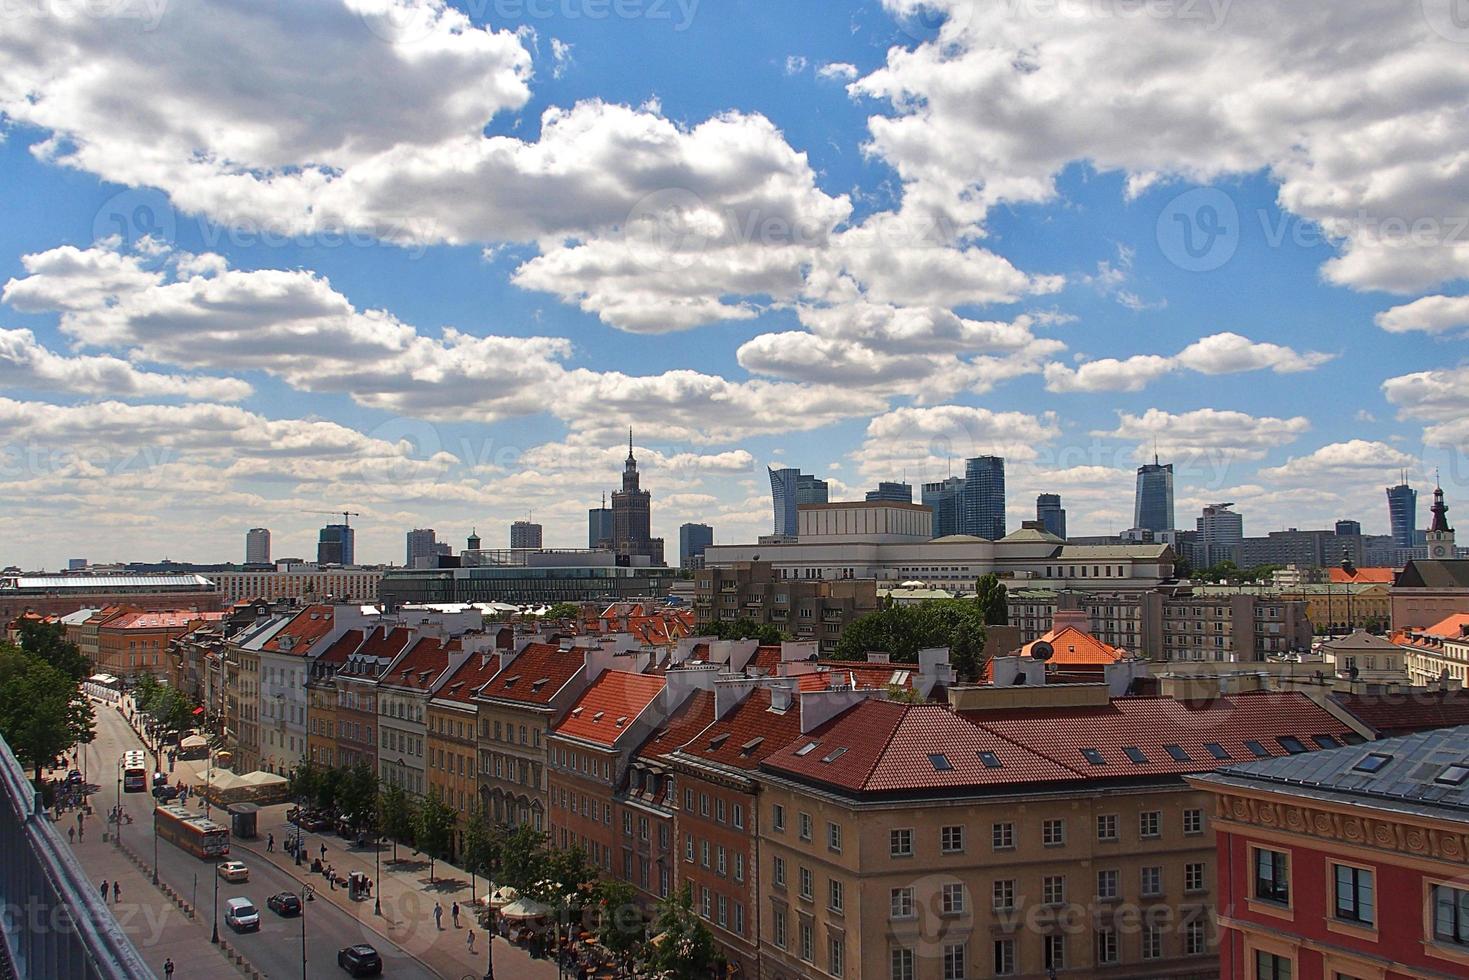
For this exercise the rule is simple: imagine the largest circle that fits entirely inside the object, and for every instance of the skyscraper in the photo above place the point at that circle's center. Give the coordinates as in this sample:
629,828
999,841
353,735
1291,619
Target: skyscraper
1221,535
632,515
336,545
422,544
789,488
692,540
1152,508
599,525
1051,514
525,534
899,492
1349,529
984,497
1402,512
946,500
257,546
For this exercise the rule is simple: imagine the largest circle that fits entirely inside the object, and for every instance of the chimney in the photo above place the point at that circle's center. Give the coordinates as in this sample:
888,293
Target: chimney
797,650
781,697
875,657
681,682
819,707
729,692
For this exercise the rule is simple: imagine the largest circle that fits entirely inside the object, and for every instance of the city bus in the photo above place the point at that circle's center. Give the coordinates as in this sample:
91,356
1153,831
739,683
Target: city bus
190,832
135,771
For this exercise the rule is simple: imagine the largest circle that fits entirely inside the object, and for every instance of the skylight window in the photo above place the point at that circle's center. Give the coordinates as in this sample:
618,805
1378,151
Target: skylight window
806,749
1217,751
1094,757
1177,754
1259,750
1373,762
990,760
1135,754
1453,775
752,745
1291,744
1326,741
834,754
940,762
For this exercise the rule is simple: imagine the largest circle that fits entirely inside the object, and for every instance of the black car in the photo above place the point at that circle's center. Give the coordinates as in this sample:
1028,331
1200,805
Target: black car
360,960
164,794
284,903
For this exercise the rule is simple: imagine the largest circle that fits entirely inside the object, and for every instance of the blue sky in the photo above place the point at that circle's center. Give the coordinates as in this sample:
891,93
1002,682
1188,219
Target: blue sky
428,262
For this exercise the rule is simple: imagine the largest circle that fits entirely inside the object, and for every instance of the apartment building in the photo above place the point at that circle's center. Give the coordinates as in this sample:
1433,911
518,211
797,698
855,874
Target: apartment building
807,609
403,692
301,581
357,694
1439,650
285,665
324,723
1018,831
132,642
453,743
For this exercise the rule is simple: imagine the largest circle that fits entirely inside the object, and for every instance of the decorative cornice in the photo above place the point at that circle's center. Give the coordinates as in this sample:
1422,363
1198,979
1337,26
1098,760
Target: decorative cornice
1320,823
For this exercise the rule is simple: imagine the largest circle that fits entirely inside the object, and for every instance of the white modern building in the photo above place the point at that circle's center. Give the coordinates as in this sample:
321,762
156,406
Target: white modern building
299,580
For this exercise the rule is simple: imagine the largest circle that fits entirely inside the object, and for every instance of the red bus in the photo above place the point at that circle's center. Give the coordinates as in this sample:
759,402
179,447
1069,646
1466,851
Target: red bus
198,835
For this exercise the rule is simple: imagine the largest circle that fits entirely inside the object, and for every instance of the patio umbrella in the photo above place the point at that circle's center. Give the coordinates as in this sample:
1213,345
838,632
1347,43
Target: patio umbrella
525,908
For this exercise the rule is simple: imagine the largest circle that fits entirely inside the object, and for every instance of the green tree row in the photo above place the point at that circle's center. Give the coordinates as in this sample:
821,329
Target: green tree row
959,624
43,712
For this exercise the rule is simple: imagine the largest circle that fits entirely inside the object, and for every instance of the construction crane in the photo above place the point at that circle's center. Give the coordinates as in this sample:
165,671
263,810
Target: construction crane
345,514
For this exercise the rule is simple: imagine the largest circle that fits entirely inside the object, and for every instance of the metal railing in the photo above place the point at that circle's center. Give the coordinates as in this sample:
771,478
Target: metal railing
53,921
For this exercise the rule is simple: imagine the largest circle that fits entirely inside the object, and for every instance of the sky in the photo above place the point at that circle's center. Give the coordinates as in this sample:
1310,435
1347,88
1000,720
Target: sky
428,262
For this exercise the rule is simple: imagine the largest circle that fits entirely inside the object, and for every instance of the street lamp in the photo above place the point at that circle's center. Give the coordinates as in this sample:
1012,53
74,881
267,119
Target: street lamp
303,934
215,938
377,872
490,943
117,813
155,844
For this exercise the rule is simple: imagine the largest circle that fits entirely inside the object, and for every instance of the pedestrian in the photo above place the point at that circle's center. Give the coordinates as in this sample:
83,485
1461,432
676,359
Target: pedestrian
71,834
438,916
323,852
454,911
269,843
116,891
104,889
81,828
471,940
168,968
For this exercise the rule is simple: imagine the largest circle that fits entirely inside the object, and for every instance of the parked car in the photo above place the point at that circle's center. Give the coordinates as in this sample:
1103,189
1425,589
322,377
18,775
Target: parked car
360,960
165,794
241,915
284,903
234,871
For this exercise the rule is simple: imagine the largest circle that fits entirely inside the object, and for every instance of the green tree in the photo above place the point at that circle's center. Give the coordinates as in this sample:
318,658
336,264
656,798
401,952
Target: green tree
564,610
522,851
991,594
564,871
302,781
682,948
396,815
480,852
901,631
356,795
328,787
619,928
48,642
43,712
434,829
768,634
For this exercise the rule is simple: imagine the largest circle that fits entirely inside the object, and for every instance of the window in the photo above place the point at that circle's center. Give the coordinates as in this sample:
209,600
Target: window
1258,750
1451,915
1106,946
834,836
953,899
739,816
902,963
808,883
900,903
1195,940
808,941
739,874
1354,894
834,895
1094,757
1373,762
720,864
1217,751
1003,895
704,853
1291,744
835,954
1152,880
1107,826
1193,822
1136,754
1176,753
1272,876
954,962
900,842
1107,884
1453,775
951,839
940,762
1152,942
1055,952
1268,966
1053,889
778,928
1004,957
1149,823
778,871
990,761
1002,836
1193,876
804,820
1053,833
778,817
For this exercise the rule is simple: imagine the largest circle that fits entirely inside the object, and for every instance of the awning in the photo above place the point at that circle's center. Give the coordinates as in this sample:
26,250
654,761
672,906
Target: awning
198,711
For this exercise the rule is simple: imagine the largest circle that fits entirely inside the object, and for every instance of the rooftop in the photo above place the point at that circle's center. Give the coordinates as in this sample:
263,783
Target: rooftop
1434,574
1412,711
302,633
748,733
535,677
609,706
103,583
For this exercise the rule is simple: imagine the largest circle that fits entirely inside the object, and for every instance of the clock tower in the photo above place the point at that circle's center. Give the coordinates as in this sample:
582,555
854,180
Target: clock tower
1440,537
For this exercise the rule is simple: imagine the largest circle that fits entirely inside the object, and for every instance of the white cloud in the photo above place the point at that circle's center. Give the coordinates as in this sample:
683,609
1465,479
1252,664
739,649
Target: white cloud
27,364
561,53
795,64
1430,314
1354,460
1220,353
838,71
925,442
1206,434
1108,374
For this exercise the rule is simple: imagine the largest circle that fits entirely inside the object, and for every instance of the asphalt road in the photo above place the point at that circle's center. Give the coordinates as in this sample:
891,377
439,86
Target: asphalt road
275,950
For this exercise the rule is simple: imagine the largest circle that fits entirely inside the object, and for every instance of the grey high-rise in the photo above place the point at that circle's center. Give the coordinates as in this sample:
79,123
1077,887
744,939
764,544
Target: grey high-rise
599,525
1051,514
336,545
1402,512
946,500
257,546
525,534
984,497
789,488
1152,508
1221,535
421,545
899,492
692,540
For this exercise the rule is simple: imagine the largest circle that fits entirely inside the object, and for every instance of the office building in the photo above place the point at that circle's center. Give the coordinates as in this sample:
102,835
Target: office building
789,488
807,609
573,579
692,540
336,545
898,492
1402,512
599,525
257,546
946,500
302,581
1221,535
1051,514
632,516
525,534
76,564
1304,549
422,548
1153,502
983,499
1349,529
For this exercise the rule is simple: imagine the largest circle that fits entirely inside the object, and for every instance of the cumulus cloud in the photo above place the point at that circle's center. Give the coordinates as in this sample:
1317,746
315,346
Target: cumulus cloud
1206,432
838,71
1355,459
25,363
1220,353
927,442
1430,314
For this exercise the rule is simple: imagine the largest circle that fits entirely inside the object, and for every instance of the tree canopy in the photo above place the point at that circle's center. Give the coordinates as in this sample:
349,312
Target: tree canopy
48,642
768,634
683,947
901,631
43,712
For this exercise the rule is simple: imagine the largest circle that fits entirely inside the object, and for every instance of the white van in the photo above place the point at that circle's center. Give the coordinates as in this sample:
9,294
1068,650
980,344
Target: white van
241,915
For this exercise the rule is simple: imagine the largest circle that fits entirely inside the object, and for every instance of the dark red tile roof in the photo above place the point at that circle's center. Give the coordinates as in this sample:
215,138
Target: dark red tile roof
1403,714
465,682
342,648
747,735
609,706
691,718
535,677
421,666
765,661
385,643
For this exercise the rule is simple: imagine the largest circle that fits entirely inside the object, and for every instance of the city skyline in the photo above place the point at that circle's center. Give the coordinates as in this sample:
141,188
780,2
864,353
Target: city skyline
440,348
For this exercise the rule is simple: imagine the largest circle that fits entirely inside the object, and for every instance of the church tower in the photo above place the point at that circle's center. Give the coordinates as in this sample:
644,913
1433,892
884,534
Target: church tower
1440,536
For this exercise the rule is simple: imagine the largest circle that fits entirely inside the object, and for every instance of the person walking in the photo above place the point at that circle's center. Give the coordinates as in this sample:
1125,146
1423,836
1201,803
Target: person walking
323,853
454,912
116,892
471,941
438,916
168,969
104,889
269,843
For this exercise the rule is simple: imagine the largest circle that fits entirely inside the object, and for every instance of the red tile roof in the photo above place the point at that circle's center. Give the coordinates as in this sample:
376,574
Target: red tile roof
305,629
535,677
342,648
748,733
465,682
421,666
384,643
1403,714
1361,575
691,718
1074,651
163,619
609,706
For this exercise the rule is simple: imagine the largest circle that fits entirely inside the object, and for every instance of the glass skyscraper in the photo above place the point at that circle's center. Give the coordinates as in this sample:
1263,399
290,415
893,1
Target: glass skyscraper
1051,514
789,488
946,500
1402,511
899,492
984,497
336,545
1153,504
692,540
